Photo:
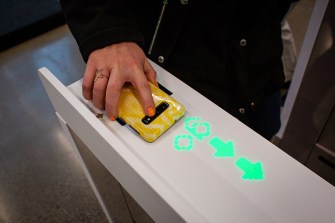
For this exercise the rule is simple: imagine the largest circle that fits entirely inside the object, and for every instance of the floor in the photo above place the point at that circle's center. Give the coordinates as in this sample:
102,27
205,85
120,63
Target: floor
40,177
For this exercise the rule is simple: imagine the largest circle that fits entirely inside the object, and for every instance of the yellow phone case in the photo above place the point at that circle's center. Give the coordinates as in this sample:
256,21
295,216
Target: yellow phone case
168,111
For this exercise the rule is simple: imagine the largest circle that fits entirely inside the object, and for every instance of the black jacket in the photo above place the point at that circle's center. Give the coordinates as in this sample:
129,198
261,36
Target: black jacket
230,51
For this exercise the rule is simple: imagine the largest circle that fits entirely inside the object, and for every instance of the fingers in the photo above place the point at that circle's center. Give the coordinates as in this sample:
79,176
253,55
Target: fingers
104,88
94,84
88,81
142,86
112,95
99,87
150,72
109,68
114,86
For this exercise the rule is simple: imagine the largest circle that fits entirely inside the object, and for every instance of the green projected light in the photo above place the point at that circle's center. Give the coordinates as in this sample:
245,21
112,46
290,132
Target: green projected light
183,142
252,171
223,149
200,130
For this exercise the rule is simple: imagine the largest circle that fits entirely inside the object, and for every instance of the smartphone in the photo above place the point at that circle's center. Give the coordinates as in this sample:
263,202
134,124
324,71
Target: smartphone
130,111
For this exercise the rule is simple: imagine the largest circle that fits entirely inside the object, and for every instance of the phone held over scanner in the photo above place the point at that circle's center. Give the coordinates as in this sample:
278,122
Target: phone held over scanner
130,110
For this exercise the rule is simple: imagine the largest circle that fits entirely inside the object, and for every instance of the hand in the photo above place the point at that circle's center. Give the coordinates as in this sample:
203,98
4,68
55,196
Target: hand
120,63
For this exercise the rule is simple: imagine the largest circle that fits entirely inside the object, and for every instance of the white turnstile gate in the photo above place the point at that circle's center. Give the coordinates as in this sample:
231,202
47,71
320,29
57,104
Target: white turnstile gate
208,167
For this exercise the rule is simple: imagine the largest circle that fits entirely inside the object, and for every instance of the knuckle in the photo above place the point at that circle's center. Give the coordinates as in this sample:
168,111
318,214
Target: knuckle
93,55
144,85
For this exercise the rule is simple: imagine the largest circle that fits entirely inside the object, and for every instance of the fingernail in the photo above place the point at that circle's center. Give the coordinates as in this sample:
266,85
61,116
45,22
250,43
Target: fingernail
156,83
151,111
112,118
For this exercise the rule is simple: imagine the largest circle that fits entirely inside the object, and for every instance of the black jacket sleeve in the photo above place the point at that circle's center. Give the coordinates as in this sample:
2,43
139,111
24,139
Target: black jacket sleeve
286,5
99,23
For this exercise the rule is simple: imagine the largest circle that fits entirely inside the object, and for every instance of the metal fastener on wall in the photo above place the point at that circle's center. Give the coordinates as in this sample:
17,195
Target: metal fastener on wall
161,59
184,2
243,42
241,110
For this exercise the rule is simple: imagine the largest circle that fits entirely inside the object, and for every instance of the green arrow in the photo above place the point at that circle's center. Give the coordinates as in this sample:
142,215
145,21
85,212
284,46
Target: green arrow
223,149
252,171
